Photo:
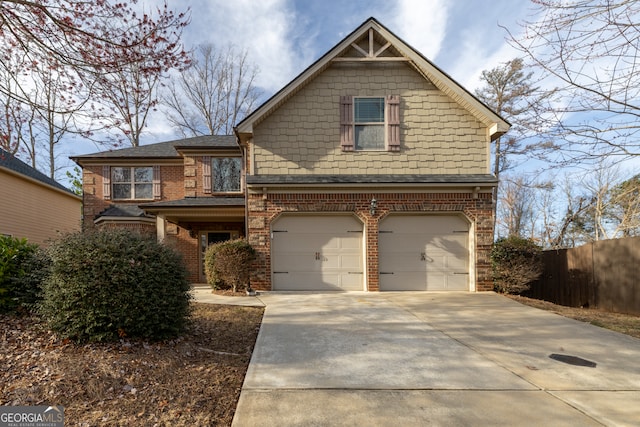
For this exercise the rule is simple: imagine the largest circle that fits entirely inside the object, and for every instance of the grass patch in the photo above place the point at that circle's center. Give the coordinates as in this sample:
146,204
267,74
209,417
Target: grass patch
624,323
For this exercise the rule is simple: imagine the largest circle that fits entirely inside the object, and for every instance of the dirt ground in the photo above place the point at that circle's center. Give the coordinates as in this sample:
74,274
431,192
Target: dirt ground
624,323
194,380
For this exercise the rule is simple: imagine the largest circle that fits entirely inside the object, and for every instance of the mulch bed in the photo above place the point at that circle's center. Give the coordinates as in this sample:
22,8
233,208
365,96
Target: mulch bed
192,380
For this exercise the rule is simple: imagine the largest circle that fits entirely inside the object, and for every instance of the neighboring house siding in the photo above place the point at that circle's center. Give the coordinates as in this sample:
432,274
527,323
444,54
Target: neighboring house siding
36,212
437,135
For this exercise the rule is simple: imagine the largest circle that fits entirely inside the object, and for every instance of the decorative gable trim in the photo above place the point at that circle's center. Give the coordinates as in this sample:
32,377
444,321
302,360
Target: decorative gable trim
376,34
206,174
106,182
346,123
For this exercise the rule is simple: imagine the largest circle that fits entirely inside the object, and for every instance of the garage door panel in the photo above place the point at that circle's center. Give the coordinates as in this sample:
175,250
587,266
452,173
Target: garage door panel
300,242
320,253
424,252
457,265
295,261
458,281
410,242
401,282
352,262
351,241
402,262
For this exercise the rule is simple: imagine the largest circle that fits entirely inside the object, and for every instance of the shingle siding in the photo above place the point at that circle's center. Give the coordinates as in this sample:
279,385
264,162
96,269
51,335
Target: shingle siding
437,135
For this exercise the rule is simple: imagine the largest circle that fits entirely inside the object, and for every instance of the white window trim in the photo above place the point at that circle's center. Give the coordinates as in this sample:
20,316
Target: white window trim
392,123
132,183
383,124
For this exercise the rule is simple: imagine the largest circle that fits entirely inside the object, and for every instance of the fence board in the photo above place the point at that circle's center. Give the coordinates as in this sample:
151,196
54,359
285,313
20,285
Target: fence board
602,275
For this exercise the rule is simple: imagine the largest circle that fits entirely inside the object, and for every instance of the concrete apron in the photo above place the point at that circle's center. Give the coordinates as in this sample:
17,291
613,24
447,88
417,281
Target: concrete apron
380,359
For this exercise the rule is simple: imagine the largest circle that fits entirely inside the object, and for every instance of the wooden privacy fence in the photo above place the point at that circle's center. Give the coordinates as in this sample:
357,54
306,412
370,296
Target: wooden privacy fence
603,274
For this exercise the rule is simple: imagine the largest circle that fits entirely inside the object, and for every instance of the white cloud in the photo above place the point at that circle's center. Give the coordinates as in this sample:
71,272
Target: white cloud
263,28
422,24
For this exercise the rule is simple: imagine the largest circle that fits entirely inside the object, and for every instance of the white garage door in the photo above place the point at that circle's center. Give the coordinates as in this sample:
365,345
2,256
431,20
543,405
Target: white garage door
317,253
424,253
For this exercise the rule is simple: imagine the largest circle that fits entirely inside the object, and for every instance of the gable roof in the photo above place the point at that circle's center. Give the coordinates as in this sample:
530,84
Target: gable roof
389,47
10,162
164,150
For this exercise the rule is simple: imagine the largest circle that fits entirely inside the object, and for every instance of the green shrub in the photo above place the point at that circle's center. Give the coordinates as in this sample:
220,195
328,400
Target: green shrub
113,283
28,286
230,264
516,263
14,255
209,267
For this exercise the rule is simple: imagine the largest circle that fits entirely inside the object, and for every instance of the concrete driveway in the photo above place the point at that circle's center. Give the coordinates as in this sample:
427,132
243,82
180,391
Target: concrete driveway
409,359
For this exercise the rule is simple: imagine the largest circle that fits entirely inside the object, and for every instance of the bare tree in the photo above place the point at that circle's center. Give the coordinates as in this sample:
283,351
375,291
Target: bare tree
215,93
547,223
571,229
625,209
88,36
601,204
589,50
516,207
38,111
113,54
509,91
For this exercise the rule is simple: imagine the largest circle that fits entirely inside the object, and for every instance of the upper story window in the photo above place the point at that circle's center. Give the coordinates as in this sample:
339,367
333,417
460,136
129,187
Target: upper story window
132,182
370,123
226,174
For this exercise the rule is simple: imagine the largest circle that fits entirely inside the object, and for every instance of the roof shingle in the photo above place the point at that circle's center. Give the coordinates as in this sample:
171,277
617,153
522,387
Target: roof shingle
165,149
11,162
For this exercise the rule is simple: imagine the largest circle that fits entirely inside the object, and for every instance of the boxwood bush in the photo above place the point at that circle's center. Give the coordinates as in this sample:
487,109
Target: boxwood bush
228,264
516,263
15,256
209,267
109,284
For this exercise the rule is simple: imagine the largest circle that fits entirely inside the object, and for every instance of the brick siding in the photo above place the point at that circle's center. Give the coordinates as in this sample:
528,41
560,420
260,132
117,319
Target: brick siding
263,211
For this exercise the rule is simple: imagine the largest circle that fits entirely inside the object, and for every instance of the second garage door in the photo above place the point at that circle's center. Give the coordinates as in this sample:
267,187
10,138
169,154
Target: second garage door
424,253
317,253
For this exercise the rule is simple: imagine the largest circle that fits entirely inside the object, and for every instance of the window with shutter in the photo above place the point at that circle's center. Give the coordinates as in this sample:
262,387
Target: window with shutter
132,183
370,123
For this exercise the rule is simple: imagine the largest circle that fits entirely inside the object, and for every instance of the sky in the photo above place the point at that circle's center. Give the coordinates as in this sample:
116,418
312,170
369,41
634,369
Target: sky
283,37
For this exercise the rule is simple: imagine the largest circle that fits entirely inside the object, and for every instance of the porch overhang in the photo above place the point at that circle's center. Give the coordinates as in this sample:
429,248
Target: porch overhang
198,209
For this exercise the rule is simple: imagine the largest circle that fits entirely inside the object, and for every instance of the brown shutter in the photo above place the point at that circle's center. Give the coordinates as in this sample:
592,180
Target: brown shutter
346,123
393,122
157,191
206,174
106,182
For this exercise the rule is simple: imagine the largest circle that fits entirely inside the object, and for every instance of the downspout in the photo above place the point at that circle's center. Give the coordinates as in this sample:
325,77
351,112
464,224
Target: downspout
244,183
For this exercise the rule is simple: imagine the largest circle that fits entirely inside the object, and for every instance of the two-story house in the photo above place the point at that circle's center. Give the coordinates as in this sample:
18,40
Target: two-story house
368,171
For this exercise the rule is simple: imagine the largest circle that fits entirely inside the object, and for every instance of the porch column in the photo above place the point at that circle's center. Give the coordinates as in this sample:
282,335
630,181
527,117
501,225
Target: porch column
160,228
